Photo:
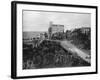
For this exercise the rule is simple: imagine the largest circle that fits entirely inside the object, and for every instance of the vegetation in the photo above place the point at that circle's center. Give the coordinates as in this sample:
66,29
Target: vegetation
58,36
50,54
80,39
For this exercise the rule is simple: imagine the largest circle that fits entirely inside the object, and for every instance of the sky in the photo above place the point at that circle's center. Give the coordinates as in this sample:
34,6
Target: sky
40,20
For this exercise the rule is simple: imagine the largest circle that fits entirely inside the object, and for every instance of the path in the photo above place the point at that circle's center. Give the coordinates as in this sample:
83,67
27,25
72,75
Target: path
68,46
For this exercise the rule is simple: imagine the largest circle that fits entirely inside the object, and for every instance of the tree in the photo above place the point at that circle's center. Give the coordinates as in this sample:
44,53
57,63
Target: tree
46,35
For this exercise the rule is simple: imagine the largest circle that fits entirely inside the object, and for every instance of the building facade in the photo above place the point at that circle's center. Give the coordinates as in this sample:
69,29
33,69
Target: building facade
85,30
55,28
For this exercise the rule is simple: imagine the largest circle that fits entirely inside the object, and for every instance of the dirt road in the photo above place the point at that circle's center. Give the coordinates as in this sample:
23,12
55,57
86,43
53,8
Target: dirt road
68,46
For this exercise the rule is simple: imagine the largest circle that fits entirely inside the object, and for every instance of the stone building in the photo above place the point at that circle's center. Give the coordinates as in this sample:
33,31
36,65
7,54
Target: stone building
54,28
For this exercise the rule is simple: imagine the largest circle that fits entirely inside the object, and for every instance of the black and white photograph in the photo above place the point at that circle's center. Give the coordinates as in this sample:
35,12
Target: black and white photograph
53,39
56,39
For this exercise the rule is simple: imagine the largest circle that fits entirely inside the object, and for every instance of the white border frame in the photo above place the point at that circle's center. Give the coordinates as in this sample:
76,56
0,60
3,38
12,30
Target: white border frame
36,72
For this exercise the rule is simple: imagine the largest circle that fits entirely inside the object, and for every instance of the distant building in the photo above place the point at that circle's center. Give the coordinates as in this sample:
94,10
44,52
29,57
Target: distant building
85,30
54,28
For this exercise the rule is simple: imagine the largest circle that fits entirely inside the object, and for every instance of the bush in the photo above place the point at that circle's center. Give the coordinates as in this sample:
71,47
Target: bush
50,54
